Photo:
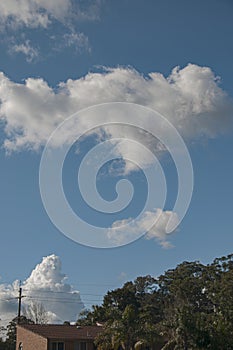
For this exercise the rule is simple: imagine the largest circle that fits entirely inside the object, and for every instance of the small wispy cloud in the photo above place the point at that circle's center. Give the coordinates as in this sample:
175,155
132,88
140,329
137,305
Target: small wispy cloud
16,17
153,224
30,52
79,41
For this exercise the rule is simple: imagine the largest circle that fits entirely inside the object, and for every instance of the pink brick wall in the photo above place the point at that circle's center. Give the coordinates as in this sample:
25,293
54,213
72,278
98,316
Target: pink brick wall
30,340
33,341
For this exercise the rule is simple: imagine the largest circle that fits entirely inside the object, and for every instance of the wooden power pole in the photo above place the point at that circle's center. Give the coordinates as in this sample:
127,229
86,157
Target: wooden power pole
19,304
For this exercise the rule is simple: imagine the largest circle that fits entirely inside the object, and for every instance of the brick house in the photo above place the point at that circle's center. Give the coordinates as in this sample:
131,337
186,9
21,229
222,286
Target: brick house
56,337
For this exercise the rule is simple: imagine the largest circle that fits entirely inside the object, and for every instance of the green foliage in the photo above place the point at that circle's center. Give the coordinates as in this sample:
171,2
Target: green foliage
187,308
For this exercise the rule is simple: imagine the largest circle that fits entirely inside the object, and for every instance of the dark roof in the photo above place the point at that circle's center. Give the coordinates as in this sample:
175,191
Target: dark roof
51,331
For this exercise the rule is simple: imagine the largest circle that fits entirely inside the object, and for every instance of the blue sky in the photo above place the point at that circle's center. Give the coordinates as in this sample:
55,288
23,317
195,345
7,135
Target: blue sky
133,38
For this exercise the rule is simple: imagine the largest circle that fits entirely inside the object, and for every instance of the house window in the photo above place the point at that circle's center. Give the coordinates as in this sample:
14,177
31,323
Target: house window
20,346
58,346
80,346
83,346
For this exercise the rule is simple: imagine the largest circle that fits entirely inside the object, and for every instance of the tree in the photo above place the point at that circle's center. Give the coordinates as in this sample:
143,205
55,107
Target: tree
37,313
129,315
184,297
86,318
2,336
219,289
189,307
11,331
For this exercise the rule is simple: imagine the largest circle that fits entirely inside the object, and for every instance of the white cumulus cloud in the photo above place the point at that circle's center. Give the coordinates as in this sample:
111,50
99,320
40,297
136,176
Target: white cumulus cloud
46,285
190,98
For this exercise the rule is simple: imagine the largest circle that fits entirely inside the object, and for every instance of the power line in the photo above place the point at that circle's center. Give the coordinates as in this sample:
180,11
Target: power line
41,298
51,299
36,297
9,299
60,292
88,284
64,300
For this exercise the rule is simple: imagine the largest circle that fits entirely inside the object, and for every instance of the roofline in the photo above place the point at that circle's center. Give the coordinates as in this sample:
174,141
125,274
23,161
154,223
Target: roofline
52,338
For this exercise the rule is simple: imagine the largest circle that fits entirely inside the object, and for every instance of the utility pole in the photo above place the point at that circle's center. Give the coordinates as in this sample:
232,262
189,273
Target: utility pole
19,304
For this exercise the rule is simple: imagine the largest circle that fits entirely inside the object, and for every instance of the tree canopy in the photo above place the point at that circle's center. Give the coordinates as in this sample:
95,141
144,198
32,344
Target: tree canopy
188,307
